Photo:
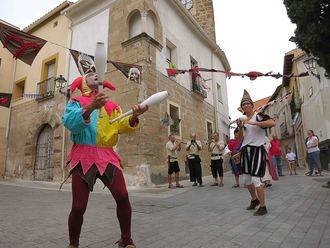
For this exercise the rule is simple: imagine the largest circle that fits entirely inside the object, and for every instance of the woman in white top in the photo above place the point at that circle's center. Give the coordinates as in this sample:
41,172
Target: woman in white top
253,154
313,153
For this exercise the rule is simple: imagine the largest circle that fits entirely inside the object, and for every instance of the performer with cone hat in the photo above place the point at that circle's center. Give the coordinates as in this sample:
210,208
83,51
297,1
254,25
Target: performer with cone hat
92,155
253,154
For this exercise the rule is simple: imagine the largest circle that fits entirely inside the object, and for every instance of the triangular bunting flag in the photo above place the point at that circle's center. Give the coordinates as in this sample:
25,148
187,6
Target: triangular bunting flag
22,45
5,99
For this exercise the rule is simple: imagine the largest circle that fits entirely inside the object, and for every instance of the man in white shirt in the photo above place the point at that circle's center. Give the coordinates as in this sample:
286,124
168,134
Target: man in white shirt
173,146
193,148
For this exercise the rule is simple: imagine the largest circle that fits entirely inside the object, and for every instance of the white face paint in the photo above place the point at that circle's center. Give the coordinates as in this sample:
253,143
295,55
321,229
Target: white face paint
91,80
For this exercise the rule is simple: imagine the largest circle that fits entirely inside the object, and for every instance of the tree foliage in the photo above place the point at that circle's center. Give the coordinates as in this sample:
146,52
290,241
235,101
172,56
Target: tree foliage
312,34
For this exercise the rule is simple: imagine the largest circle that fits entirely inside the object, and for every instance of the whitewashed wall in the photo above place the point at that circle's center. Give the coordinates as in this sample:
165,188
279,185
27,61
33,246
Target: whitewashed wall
188,43
315,108
85,35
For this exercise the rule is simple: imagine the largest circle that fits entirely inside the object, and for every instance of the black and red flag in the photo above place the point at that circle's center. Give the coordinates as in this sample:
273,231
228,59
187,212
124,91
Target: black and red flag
5,99
22,45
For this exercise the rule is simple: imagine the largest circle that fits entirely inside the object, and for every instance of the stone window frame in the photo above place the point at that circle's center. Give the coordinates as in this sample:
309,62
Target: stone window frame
153,17
158,36
169,113
207,121
219,97
20,83
130,16
53,59
173,54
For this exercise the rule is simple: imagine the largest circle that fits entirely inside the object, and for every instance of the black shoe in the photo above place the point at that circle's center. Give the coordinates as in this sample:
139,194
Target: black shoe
201,185
253,204
195,184
261,211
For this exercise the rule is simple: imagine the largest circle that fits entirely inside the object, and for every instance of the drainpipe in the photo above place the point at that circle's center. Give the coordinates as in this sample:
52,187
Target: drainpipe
67,71
9,117
215,100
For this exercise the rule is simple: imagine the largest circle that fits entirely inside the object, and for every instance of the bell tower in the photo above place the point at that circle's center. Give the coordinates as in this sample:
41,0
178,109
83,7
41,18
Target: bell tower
203,12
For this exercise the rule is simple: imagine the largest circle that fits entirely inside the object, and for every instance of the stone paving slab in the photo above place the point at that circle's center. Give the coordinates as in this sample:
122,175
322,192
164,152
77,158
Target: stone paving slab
34,214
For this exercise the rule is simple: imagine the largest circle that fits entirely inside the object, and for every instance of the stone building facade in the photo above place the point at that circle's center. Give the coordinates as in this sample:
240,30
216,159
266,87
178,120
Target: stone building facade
151,34
280,111
34,148
142,32
313,104
305,109
6,76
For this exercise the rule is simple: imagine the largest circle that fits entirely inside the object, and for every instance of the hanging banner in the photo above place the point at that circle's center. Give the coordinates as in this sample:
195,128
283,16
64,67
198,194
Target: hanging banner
23,46
5,99
84,62
125,68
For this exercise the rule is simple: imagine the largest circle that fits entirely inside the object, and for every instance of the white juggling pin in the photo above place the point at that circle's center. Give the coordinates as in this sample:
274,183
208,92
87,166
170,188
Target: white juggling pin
152,100
241,118
100,59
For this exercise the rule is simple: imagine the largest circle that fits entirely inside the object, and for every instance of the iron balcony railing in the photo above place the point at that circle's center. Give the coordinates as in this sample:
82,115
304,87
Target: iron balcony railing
46,89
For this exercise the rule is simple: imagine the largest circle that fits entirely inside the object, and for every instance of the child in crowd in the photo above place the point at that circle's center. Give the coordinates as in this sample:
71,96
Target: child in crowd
291,159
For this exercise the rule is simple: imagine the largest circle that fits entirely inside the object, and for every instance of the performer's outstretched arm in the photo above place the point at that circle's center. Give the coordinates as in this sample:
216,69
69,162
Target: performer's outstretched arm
73,117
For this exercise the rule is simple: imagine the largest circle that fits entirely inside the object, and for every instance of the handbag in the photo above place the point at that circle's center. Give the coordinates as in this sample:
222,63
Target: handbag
237,158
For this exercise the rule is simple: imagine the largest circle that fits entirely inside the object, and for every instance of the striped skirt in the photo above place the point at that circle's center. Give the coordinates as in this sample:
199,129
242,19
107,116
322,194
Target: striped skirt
253,160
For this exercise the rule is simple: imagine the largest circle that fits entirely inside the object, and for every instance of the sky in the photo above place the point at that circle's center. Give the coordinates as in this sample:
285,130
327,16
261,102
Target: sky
254,34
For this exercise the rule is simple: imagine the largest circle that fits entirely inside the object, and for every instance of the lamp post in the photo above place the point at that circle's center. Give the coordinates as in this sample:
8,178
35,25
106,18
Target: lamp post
310,65
61,84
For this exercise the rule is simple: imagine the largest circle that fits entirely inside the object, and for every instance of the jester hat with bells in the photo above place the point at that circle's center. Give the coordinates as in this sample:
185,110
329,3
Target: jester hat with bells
81,84
246,98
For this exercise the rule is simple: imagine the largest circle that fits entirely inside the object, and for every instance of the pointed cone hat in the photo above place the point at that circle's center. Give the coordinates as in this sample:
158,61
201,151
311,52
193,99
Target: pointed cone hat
246,97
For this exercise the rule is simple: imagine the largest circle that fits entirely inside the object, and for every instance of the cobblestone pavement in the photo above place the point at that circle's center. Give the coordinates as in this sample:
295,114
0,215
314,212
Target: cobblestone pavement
34,214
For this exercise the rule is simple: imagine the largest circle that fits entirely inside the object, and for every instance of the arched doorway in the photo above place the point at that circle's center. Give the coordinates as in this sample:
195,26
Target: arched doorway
43,168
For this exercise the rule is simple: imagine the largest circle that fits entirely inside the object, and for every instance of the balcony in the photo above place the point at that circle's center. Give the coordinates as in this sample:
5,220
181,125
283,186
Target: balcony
197,86
45,89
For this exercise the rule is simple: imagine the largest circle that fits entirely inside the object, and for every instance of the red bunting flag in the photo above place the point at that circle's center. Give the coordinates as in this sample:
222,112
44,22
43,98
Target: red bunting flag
22,45
5,99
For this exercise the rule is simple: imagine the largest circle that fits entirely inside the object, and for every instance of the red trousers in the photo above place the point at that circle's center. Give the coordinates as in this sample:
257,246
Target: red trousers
80,194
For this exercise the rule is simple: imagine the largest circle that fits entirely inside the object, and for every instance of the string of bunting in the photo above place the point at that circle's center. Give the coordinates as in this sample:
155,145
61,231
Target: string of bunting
280,99
26,47
253,75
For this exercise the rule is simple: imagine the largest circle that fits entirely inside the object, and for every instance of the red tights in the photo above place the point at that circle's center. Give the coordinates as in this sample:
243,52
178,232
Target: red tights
80,194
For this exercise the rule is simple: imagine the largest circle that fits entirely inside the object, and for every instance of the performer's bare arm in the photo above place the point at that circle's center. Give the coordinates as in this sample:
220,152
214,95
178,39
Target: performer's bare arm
178,145
137,110
265,124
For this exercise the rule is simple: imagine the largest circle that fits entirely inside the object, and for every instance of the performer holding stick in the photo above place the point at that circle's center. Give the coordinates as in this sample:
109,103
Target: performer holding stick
253,154
193,147
92,155
216,147
173,146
